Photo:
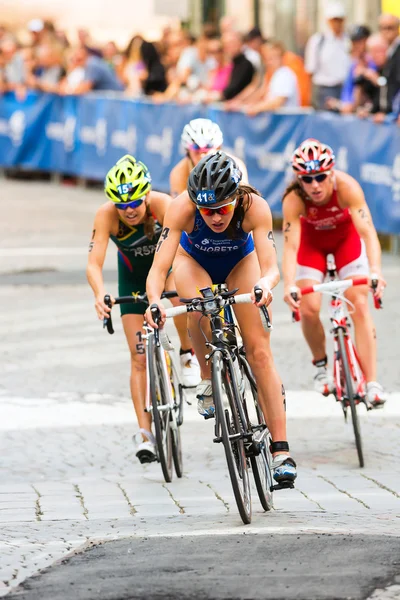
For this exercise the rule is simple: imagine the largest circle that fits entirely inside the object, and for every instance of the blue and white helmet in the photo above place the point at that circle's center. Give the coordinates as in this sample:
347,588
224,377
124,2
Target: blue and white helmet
201,134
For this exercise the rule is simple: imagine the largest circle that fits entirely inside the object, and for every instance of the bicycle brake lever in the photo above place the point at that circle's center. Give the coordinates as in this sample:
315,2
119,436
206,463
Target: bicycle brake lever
107,321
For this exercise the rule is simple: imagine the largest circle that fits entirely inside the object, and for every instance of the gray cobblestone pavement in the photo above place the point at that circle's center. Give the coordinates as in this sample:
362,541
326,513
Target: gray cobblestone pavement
69,475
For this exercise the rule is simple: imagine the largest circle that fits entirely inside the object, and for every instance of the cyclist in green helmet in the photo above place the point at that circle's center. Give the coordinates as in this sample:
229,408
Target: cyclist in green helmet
133,217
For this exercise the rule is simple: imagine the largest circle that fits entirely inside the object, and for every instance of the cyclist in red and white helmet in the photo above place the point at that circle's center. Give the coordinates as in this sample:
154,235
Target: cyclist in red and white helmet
324,211
199,137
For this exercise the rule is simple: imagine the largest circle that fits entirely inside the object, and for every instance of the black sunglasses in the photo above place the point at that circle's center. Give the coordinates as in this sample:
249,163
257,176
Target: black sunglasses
309,178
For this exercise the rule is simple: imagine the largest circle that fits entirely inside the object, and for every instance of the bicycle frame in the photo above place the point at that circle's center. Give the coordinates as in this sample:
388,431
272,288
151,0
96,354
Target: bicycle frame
340,320
149,331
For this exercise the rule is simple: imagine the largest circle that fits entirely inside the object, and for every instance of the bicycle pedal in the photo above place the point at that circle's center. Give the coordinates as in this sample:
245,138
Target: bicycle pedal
209,416
283,485
217,440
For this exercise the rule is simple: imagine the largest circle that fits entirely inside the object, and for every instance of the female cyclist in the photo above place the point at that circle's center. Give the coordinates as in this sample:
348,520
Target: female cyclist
132,218
324,211
199,137
221,231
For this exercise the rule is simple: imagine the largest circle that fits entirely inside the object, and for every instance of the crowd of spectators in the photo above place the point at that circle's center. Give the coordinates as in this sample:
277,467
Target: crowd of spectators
347,71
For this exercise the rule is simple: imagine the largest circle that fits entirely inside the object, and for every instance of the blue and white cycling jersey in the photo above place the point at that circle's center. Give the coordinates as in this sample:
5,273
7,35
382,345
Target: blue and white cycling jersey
214,251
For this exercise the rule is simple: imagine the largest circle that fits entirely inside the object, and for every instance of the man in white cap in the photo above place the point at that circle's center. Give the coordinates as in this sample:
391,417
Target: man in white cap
327,56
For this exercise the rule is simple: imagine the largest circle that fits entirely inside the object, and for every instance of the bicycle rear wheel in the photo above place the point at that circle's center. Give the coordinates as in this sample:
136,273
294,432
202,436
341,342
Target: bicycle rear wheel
229,427
160,399
261,459
349,387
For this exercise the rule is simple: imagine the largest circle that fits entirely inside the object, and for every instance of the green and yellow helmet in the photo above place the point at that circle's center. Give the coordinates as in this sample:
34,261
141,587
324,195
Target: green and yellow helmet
128,180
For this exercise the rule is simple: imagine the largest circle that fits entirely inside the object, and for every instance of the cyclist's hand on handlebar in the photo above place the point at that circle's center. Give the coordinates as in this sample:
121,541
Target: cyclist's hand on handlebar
267,295
378,285
292,295
149,316
102,309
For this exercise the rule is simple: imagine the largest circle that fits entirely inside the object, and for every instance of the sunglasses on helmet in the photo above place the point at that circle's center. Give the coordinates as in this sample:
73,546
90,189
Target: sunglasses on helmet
197,148
133,204
224,209
320,177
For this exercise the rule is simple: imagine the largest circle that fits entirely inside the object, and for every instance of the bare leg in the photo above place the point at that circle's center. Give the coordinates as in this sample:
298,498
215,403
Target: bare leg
258,350
189,277
311,325
180,322
133,327
364,330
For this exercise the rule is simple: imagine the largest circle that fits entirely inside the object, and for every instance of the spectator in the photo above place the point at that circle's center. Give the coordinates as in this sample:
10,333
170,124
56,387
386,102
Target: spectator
14,72
84,40
220,76
192,71
243,70
112,56
75,73
97,75
371,82
327,57
360,61
282,89
133,73
389,29
49,69
253,51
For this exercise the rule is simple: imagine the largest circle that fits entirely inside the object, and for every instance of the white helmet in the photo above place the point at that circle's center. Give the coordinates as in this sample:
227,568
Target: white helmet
203,133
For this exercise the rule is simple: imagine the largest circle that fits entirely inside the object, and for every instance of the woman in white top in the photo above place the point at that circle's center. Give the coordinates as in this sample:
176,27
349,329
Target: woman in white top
282,90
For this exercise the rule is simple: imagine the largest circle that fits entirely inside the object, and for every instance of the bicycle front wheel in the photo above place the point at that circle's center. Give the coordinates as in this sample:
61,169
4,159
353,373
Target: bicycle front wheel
261,459
229,427
177,392
349,387
160,402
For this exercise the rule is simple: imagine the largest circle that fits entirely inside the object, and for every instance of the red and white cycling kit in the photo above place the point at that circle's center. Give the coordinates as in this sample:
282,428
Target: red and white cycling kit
329,229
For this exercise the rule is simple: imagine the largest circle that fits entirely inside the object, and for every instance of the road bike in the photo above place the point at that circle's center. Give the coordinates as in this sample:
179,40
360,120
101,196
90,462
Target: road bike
349,380
239,421
165,394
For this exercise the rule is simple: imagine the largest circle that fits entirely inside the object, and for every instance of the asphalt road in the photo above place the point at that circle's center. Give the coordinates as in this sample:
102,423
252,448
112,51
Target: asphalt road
71,487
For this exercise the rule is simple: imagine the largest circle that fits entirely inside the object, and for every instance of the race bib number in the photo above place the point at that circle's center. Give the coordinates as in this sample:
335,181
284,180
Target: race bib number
206,197
124,188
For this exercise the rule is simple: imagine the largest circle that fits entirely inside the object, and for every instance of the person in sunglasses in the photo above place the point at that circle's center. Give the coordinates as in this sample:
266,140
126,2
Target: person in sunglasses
132,218
217,231
324,211
199,137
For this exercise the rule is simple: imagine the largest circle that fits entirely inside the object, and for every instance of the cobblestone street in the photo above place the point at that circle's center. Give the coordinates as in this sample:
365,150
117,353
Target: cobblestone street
69,476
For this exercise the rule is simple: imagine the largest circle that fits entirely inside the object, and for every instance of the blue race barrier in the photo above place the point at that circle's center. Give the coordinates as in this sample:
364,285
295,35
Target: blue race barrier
84,136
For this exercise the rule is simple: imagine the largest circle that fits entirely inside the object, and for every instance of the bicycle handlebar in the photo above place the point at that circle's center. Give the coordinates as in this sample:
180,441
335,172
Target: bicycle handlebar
335,286
135,299
239,299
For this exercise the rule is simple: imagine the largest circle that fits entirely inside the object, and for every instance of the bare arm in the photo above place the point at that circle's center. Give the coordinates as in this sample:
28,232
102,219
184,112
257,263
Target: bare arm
292,209
260,220
177,179
159,204
97,253
362,220
266,105
174,223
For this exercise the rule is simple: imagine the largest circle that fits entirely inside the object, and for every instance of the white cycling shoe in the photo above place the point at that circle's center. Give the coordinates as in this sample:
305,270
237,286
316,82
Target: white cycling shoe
323,381
375,394
205,402
190,370
146,449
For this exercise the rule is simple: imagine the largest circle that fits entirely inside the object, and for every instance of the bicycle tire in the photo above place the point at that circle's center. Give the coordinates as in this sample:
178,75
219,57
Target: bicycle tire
228,424
350,395
261,464
159,392
176,433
